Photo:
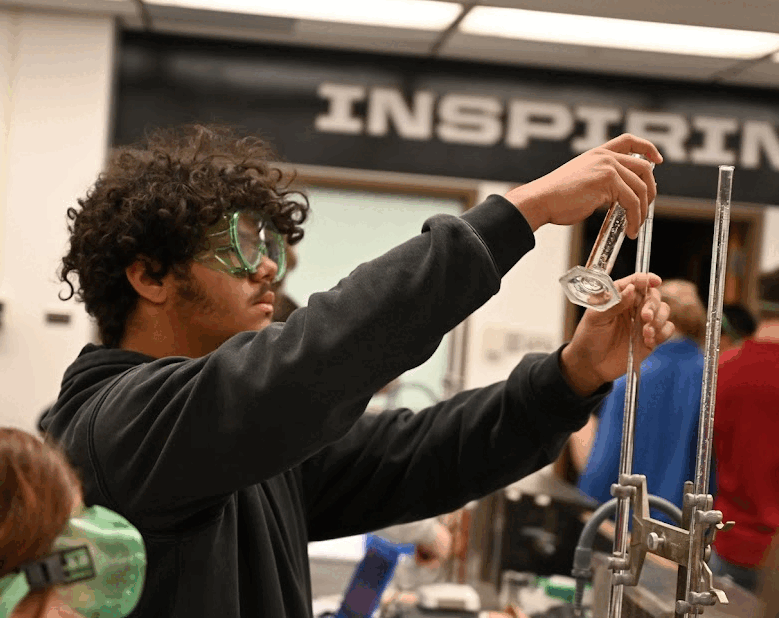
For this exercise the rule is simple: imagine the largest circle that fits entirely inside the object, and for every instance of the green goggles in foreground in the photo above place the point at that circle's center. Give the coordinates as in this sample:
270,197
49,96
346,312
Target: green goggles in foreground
98,565
238,244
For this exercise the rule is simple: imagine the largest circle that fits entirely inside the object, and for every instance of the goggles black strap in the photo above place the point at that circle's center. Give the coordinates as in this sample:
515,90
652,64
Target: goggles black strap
62,567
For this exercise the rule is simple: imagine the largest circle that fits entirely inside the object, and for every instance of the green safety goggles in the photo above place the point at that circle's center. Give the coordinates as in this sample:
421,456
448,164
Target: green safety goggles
98,564
239,242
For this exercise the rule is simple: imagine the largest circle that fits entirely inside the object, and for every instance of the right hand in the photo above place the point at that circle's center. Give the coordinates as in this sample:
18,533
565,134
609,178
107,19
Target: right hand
603,175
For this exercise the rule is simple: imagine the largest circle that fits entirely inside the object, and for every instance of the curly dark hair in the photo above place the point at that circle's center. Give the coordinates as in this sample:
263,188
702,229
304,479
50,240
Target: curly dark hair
155,200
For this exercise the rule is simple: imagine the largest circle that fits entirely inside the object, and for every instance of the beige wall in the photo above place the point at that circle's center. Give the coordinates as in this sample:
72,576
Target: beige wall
8,41
769,258
55,140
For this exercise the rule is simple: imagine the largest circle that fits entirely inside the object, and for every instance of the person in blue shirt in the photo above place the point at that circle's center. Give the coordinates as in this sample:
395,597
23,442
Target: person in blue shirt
667,412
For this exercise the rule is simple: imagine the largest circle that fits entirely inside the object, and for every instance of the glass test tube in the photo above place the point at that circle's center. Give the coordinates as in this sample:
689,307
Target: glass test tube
591,286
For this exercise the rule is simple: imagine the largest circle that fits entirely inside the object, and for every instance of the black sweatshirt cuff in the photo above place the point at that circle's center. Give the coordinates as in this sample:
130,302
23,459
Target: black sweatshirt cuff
549,381
503,229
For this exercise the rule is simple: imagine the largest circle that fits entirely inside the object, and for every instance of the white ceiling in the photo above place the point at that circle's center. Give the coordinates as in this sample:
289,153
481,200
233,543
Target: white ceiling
758,15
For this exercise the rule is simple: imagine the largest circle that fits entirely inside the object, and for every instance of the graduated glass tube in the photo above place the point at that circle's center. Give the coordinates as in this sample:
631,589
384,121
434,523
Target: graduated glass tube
719,260
591,285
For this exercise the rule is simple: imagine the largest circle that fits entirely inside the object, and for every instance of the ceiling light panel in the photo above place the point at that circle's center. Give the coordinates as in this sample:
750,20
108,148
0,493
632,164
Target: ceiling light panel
412,14
614,33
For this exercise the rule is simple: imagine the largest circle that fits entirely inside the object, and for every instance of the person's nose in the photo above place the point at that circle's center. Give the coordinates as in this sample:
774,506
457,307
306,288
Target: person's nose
266,271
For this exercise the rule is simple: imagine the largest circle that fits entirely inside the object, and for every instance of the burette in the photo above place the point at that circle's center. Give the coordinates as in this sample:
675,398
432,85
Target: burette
686,545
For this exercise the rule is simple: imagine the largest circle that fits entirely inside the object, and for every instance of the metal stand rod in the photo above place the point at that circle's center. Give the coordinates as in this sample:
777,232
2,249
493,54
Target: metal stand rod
711,360
643,251
681,572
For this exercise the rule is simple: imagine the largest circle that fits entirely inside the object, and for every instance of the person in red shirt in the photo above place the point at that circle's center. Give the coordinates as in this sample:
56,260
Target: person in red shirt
746,424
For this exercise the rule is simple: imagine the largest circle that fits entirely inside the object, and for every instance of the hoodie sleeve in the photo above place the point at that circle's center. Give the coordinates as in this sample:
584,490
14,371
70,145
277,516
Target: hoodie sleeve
181,433
399,466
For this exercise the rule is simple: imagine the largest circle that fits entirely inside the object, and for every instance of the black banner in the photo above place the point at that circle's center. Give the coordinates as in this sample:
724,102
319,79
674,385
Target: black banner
446,118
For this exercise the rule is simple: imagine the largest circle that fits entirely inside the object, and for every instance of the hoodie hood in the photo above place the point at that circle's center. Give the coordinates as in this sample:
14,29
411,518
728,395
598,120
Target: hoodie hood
94,367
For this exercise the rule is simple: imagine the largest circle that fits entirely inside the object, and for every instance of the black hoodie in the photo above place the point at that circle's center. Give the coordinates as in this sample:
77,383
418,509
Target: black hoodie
231,463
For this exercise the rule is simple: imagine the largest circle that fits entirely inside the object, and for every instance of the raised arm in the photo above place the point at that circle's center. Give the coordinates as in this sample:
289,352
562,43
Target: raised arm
193,431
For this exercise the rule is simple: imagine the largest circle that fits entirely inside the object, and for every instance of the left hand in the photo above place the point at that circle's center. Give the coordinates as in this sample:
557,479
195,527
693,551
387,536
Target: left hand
598,351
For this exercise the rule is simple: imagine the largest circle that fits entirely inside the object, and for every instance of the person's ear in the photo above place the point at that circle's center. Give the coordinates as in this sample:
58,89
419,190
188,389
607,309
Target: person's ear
144,284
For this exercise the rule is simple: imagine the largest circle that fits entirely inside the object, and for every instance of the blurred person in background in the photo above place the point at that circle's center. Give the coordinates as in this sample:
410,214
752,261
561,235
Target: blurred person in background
746,426
232,441
738,324
57,558
667,413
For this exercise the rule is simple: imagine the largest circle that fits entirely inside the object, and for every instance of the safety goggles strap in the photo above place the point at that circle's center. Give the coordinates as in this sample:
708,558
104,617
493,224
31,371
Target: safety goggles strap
62,567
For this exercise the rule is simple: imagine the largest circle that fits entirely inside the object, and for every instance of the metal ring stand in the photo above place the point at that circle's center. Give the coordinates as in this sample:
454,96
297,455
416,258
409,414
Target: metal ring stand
686,544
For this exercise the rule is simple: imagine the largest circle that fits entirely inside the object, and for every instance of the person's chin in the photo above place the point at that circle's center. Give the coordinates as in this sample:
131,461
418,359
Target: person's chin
262,321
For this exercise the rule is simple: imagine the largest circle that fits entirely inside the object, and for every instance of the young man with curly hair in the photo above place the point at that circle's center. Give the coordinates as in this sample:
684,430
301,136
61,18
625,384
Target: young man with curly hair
231,441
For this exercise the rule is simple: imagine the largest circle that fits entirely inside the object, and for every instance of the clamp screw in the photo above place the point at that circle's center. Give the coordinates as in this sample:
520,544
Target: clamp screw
654,541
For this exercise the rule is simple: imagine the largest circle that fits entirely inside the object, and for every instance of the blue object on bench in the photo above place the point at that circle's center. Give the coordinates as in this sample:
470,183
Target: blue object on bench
370,579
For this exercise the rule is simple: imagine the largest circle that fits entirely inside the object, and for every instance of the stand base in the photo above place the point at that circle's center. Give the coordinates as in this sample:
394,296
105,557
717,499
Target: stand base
655,594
